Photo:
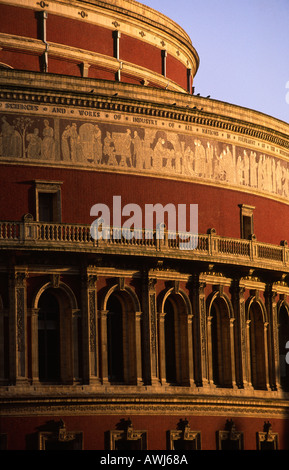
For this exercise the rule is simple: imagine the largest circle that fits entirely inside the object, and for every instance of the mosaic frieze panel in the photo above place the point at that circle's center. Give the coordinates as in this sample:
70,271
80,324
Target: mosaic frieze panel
147,149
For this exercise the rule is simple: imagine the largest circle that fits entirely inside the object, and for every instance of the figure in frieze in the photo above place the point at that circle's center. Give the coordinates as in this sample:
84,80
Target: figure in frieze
34,144
159,153
278,178
240,170
16,145
6,133
209,160
253,170
231,165
261,172
14,136
174,160
148,145
188,161
65,143
48,144
109,150
273,171
200,159
97,144
246,169
284,182
126,150
265,173
73,142
137,159
88,143
122,148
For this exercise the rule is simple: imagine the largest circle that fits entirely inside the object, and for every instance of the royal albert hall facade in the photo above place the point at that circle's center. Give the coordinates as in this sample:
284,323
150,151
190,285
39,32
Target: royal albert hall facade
133,343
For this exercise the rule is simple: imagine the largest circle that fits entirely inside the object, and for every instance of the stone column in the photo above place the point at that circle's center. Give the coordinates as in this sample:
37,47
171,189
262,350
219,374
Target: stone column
103,346
76,315
191,378
201,356
210,351
138,352
266,326
162,348
247,370
232,345
90,329
18,327
273,338
150,332
237,296
34,312
2,356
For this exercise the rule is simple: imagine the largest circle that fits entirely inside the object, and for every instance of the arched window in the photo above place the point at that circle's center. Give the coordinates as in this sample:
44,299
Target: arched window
57,327
170,342
283,350
115,340
120,332
257,347
176,348
221,343
48,338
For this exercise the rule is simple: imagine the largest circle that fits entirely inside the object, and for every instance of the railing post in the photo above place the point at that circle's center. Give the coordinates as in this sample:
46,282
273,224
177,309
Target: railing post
28,229
212,241
161,237
285,252
253,247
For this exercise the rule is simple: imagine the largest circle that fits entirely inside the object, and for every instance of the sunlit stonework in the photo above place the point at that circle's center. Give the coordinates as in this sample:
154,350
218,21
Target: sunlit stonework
119,343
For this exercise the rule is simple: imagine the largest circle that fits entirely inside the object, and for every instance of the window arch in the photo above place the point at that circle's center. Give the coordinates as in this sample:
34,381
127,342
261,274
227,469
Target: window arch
121,332
221,343
258,353
56,342
176,335
283,330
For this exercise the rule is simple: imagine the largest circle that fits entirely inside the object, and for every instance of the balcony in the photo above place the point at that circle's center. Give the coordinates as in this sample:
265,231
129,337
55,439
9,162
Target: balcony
56,237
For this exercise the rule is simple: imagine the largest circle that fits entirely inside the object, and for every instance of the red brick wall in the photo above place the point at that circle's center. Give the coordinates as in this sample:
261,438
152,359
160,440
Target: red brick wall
218,208
83,35
22,432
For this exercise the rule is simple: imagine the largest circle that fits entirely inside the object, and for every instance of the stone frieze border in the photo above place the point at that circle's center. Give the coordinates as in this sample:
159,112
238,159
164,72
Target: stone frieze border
198,406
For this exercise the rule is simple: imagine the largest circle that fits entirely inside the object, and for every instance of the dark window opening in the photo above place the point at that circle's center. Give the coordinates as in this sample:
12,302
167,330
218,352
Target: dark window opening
115,340
247,221
170,343
47,207
123,444
283,350
258,367
247,227
185,444
48,338
221,349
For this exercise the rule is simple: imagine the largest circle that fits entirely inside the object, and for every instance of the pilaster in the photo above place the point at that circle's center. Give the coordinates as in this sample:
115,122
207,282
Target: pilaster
18,326
150,338
90,328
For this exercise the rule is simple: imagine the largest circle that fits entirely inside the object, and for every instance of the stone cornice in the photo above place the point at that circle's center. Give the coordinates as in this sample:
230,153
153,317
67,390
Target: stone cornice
100,94
137,403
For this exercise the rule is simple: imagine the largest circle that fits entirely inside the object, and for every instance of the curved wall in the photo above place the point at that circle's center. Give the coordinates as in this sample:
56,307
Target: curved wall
124,41
76,124
104,144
